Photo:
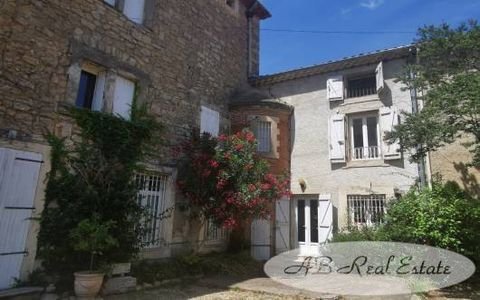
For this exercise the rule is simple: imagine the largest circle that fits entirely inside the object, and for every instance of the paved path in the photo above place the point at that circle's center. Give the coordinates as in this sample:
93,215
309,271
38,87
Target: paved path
225,287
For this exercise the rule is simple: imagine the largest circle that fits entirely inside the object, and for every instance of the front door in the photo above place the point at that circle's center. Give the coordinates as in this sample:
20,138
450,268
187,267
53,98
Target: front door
307,225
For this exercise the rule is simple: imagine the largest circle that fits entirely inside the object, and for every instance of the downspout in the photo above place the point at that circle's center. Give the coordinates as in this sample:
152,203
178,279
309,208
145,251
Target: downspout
415,109
250,13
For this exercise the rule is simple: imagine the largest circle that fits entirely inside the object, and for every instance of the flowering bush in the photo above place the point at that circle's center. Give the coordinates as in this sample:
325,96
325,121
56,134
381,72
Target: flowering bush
227,181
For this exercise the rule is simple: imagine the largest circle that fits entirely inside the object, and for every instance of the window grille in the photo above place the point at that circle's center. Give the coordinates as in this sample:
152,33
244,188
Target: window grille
263,133
213,232
366,209
152,195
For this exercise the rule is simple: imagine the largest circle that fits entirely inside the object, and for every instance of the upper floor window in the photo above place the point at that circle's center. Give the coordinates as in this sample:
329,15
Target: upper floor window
92,87
132,9
263,133
339,88
362,136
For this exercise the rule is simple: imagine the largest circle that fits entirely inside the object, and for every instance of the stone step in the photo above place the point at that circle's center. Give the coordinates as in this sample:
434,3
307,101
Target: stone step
23,293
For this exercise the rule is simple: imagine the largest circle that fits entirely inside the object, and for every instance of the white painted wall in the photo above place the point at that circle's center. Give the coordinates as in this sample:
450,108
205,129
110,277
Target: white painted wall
310,150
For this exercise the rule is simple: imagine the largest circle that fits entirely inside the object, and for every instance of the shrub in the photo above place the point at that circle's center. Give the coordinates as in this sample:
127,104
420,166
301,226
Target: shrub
444,216
91,175
353,234
226,181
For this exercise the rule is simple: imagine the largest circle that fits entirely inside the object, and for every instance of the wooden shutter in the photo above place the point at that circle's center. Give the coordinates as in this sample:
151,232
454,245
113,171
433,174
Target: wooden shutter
389,119
379,77
209,121
260,239
18,183
335,88
325,221
134,10
337,138
97,101
123,97
282,225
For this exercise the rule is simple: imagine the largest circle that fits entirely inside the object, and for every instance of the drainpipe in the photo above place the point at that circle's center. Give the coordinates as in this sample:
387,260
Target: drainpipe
250,15
415,108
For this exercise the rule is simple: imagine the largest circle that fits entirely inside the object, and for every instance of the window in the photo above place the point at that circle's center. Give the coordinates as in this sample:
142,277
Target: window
152,195
364,133
132,9
366,209
123,97
209,121
90,90
363,86
263,133
213,232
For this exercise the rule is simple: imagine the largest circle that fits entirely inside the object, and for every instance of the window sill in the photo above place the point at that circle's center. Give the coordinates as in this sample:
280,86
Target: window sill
373,97
366,164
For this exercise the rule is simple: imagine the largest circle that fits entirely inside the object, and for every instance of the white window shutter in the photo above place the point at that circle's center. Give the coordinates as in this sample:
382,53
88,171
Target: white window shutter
134,10
325,221
209,121
337,138
97,102
388,120
335,88
123,97
379,77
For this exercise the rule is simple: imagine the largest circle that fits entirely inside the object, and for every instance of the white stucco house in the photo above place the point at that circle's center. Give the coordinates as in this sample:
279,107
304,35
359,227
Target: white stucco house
342,170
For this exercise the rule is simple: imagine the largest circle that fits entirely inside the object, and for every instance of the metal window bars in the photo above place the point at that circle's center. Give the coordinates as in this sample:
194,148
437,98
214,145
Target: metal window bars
366,209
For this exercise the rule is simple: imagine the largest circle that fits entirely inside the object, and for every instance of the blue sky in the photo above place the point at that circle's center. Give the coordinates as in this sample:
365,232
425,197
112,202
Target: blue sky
281,51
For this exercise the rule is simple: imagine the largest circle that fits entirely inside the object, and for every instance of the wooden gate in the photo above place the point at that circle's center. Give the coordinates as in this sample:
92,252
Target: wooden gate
282,225
18,182
260,239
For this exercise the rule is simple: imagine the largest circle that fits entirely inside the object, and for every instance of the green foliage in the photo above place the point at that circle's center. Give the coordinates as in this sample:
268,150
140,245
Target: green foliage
443,216
448,80
353,234
91,175
92,237
239,264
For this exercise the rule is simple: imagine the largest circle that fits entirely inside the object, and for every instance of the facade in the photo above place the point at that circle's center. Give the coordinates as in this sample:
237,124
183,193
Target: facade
269,119
184,59
342,171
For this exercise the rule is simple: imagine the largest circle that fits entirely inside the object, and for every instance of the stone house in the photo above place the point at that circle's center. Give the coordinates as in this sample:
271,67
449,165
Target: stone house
342,171
184,59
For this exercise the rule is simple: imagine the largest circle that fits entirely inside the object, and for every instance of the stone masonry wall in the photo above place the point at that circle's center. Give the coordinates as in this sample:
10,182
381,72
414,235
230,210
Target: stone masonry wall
187,54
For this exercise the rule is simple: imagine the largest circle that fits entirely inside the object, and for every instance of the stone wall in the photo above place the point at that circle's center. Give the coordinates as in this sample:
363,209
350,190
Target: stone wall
186,54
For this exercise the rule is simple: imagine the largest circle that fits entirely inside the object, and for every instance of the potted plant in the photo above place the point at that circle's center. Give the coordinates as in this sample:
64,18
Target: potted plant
91,236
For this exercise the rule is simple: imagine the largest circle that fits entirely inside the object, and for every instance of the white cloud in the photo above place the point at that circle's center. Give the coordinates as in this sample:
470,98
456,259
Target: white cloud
371,4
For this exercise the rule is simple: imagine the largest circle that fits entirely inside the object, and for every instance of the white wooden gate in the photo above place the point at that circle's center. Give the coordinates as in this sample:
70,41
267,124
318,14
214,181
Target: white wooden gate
325,224
18,182
260,239
282,225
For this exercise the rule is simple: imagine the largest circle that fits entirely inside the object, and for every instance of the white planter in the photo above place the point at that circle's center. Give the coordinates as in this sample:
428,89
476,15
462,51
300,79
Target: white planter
88,284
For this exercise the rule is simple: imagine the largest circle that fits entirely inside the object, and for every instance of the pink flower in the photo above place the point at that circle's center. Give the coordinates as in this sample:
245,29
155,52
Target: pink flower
213,163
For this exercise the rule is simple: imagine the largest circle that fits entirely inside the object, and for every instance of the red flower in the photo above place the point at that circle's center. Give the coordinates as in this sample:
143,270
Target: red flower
222,137
239,147
251,187
213,163
266,186
250,137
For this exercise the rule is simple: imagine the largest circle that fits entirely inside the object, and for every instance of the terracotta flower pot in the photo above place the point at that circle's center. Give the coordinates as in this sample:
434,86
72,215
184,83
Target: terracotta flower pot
88,284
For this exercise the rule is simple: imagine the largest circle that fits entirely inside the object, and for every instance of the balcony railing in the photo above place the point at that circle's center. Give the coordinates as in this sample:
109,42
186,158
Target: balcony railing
361,91
365,153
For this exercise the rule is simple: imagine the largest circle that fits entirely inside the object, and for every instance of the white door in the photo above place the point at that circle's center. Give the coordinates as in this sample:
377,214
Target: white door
314,223
260,239
282,225
18,182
